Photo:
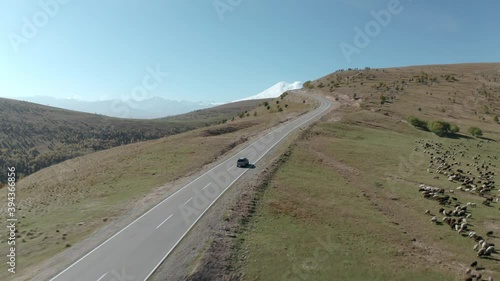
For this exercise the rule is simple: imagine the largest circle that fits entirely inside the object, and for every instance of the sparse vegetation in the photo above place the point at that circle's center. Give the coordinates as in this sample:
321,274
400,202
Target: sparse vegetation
475,131
34,137
308,85
442,128
371,160
383,99
124,181
417,123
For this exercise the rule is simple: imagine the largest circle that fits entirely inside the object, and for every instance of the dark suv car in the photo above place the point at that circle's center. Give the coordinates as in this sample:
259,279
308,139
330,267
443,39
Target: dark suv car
242,162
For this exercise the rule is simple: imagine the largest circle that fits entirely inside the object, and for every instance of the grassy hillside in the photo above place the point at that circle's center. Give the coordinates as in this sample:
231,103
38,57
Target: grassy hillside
34,136
465,94
61,205
346,203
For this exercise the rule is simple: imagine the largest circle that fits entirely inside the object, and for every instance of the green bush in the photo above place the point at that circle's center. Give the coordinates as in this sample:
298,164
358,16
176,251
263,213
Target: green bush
440,128
454,129
308,85
475,131
417,123
383,99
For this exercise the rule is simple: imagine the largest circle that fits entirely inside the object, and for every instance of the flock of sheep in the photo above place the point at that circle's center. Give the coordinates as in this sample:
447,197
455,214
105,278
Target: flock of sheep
476,178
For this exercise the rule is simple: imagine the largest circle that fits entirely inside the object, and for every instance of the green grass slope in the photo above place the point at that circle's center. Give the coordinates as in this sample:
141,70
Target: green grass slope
346,205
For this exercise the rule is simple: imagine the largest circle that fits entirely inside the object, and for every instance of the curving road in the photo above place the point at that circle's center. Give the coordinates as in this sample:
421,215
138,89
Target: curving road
137,250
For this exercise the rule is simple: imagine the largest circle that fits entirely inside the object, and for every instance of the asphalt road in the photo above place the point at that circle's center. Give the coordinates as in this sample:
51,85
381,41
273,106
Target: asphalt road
136,251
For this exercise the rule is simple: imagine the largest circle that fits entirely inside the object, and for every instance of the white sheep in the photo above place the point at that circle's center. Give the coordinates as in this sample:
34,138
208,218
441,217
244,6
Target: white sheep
489,250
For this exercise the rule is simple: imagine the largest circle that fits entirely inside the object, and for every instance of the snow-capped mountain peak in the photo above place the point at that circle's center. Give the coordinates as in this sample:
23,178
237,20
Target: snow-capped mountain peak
276,90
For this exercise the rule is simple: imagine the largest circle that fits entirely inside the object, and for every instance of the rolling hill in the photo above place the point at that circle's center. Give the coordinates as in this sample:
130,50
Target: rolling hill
346,199
34,136
65,209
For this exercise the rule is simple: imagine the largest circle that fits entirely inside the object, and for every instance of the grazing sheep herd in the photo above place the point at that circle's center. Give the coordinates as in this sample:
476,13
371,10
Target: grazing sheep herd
474,179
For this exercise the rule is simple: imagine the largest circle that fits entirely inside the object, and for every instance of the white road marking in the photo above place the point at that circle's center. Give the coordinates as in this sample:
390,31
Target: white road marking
215,200
183,188
188,200
102,276
161,223
206,186
232,167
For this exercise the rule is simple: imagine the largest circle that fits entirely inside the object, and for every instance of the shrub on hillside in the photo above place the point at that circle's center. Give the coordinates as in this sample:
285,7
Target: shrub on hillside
442,128
475,131
454,129
383,99
417,123
308,85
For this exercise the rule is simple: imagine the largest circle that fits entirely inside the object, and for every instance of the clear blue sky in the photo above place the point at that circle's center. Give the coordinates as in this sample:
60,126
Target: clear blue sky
101,49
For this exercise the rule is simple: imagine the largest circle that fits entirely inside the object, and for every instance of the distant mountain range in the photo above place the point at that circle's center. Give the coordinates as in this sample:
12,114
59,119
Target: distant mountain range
151,108
275,91
155,107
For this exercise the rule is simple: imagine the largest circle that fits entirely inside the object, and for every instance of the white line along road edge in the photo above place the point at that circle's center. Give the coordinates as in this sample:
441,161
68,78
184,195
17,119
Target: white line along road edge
164,200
